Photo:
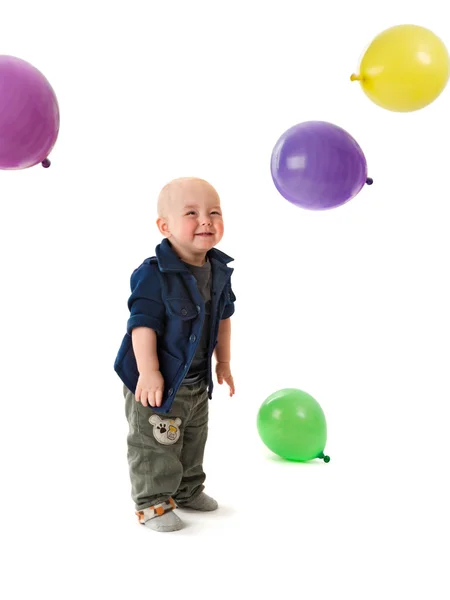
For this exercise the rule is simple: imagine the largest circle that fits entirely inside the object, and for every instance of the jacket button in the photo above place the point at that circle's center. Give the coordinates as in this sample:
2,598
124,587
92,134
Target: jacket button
183,312
170,392
193,338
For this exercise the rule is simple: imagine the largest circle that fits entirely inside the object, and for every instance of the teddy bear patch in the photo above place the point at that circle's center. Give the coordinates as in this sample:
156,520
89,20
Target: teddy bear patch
166,431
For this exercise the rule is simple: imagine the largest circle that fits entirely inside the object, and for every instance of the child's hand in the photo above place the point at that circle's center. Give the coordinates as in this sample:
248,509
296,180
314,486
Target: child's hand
224,374
149,389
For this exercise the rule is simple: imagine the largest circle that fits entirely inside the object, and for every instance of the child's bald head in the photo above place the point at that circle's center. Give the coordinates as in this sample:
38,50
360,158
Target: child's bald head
190,216
179,191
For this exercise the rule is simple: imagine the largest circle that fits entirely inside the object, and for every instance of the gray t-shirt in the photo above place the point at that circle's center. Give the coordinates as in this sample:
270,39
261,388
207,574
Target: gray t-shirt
199,366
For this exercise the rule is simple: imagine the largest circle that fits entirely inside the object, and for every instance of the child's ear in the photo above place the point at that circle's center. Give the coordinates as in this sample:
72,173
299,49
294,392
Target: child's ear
163,226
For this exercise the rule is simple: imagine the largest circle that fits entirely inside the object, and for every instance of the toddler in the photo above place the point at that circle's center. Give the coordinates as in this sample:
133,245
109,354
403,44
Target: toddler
180,307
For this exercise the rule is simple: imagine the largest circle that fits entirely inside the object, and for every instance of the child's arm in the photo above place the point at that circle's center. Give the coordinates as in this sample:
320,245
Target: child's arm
223,355
144,346
223,347
150,385
145,323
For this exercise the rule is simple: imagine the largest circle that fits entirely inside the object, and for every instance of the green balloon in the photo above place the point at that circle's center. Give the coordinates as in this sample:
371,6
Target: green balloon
292,424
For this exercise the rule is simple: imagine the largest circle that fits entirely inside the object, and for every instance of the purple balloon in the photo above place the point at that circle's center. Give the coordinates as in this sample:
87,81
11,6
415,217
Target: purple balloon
317,165
29,115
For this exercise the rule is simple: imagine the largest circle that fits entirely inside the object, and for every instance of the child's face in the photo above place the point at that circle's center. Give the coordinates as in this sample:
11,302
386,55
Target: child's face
193,219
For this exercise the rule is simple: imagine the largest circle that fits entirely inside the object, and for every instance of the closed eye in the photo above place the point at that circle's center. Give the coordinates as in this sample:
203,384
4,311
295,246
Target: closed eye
214,212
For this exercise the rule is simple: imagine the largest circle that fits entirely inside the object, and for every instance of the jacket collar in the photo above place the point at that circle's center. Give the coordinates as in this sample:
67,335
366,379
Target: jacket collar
169,261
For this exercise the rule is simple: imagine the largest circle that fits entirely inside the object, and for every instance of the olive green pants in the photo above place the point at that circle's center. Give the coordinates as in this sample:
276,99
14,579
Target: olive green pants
165,452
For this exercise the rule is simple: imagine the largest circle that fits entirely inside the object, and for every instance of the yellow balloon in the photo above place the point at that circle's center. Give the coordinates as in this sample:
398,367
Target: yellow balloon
404,69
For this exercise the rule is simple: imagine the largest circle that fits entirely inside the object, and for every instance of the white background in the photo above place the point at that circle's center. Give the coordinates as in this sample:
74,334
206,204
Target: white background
351,305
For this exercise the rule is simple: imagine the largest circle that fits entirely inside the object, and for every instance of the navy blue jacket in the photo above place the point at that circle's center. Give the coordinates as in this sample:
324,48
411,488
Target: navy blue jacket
165,297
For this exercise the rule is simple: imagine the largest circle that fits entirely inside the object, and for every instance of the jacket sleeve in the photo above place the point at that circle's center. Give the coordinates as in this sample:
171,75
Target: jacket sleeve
230,299
145,303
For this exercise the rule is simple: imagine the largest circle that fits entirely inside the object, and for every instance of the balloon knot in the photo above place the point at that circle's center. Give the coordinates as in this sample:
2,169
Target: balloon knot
46,163
326,459
355,77
369,181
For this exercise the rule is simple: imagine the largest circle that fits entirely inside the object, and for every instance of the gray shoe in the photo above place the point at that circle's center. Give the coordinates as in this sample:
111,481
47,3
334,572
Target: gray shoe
201,502
160,517
169,521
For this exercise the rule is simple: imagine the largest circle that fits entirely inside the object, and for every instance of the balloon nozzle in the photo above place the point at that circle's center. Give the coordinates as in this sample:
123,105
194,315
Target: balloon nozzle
354,77
324,457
